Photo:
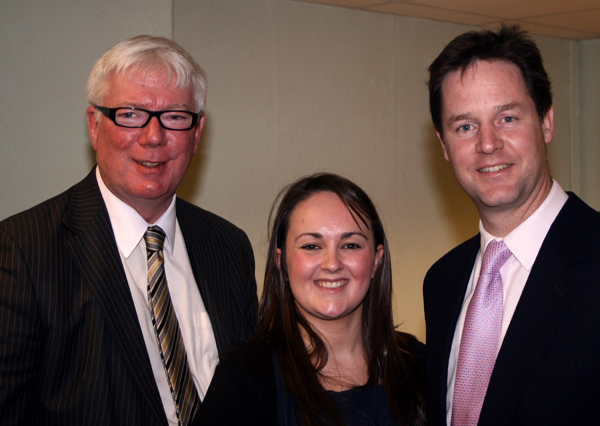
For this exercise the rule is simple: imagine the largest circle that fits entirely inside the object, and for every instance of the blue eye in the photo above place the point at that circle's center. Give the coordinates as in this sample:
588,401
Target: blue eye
174,117
128,114
465,127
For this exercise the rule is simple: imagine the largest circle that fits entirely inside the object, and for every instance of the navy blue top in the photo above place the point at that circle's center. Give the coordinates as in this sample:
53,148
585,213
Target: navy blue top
248,390
362,406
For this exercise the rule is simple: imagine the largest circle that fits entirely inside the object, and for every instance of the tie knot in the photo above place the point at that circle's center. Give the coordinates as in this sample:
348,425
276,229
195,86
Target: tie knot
496,254
155,238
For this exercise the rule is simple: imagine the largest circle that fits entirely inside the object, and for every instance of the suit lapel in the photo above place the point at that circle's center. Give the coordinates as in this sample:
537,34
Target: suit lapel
460,275
458,268
540,310
207,265
95,253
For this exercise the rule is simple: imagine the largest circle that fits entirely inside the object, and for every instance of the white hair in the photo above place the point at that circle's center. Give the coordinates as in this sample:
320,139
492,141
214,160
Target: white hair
144,54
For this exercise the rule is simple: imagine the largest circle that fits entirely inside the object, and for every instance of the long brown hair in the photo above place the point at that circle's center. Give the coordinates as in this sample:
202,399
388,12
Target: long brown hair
388,358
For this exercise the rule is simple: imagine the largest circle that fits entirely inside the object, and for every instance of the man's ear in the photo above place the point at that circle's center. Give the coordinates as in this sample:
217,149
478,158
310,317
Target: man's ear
443,146
548,126
92,124
198,132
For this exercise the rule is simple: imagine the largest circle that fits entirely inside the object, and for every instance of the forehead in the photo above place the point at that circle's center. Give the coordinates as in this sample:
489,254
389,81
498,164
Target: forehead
147,87
324,210
481,77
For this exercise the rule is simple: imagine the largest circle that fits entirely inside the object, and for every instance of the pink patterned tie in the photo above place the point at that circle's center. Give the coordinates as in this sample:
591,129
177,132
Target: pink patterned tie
480,338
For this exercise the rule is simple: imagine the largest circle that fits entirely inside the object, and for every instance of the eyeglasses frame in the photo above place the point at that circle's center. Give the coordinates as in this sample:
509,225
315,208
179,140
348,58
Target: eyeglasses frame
111,113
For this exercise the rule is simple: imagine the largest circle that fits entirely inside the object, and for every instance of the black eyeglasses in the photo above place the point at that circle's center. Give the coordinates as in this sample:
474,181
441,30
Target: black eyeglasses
136,117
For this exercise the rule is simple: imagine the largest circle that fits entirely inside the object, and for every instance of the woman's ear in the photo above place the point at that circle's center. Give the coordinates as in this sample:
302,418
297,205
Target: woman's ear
378,256
278,262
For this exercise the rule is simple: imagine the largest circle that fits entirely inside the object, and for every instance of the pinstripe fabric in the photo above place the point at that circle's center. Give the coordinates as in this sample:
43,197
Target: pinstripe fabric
167,331
71,348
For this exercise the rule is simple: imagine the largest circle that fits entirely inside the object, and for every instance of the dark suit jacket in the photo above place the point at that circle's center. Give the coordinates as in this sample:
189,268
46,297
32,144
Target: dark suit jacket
548,367
71,347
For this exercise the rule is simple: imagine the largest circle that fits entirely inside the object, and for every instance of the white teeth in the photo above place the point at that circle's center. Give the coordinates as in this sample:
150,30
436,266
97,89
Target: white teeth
143,163
494,169
334,284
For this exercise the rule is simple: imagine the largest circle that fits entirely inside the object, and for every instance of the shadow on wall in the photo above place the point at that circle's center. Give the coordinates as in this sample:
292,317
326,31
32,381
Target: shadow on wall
190,187
455,206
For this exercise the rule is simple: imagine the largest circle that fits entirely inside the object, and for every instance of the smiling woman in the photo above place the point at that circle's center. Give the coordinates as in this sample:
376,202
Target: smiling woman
331,260
326,352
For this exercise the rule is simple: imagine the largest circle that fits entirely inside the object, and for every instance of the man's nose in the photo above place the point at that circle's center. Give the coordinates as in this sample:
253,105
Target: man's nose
152,133
490,140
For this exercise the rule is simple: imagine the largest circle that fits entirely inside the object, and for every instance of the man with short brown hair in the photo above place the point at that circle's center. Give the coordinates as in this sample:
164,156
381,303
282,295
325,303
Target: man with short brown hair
513,330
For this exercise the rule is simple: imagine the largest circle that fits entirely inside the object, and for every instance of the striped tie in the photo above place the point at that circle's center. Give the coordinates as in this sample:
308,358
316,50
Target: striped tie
166,328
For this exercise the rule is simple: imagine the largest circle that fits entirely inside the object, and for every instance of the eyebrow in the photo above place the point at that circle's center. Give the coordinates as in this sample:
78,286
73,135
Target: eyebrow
454,118
318,235
167,108
506,107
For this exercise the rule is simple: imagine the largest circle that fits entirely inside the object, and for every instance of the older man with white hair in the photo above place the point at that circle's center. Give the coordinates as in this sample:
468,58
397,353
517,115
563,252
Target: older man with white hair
117,297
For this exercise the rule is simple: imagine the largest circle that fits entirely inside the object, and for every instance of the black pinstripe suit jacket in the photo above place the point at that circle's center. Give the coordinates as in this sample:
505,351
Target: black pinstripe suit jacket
71,347
548,368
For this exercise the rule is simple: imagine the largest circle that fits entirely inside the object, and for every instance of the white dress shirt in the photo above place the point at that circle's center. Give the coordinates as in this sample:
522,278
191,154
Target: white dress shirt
198,337
524,242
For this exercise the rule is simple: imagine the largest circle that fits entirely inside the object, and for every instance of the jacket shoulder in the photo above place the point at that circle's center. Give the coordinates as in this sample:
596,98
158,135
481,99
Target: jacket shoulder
455,257
47,218
200,227
203,218
42,219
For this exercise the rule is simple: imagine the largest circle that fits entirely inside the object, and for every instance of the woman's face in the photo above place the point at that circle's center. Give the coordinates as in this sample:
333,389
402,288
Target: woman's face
331,258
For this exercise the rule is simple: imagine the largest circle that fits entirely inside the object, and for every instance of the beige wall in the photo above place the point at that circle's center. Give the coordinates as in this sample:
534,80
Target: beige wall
589,122
47,51
294,88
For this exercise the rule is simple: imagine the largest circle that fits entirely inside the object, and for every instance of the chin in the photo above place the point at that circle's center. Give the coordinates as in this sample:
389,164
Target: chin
152,192
496,198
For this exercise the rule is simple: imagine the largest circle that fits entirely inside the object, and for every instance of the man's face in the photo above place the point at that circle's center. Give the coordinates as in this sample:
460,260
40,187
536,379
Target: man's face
143,167
494,140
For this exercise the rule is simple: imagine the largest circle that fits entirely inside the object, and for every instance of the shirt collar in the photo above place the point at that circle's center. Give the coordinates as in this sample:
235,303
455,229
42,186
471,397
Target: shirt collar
129,227
526,239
